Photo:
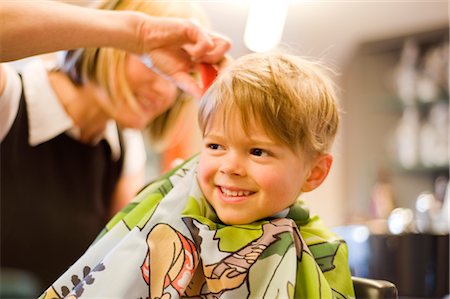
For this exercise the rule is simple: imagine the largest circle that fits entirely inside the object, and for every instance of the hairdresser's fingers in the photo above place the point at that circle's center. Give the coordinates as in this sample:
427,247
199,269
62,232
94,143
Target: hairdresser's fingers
218,52
175,66
199,42
187,83
211,54
168,32
169,61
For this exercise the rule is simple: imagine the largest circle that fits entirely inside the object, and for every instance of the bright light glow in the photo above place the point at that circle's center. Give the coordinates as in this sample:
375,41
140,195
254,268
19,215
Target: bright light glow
360,234
399,220
265,23
424,202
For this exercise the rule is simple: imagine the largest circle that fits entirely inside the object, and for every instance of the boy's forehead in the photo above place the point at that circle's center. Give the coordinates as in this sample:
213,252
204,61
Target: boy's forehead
223,120
232,124
232,120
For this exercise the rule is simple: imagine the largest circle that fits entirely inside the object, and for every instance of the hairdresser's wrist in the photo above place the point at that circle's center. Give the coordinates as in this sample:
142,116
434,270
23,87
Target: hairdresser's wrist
163,32
120,29
140,33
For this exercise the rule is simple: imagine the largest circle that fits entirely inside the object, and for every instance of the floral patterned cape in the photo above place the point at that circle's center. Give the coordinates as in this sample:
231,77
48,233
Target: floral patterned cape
169,243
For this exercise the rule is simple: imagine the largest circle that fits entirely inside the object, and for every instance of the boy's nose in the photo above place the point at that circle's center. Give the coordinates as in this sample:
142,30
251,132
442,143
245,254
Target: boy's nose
232,165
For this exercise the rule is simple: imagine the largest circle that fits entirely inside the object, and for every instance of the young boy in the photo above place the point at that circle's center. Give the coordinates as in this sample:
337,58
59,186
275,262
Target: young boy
229,224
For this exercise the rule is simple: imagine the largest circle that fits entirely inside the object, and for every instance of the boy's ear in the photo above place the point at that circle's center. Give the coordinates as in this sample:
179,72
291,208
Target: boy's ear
319,171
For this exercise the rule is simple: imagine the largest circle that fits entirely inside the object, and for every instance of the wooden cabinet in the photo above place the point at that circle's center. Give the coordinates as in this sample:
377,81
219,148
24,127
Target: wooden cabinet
416,263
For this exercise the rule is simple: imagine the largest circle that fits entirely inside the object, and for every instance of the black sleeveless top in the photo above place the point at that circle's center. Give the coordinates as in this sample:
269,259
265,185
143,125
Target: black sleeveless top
55,199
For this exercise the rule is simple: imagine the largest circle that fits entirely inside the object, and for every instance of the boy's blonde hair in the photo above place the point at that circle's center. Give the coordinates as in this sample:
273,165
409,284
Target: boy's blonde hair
106,66
291,96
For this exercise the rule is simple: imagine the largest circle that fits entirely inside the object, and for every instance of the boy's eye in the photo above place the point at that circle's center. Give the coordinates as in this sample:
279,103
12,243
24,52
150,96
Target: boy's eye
213,146
258,152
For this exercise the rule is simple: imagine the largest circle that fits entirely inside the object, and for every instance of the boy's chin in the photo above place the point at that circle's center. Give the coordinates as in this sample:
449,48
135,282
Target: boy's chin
230,220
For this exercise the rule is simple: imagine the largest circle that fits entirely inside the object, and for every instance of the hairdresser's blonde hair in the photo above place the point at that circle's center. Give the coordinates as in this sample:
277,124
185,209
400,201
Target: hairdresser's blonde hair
292,97
106,66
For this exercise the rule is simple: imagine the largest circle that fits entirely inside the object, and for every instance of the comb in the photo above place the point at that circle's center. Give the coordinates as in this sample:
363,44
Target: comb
208,74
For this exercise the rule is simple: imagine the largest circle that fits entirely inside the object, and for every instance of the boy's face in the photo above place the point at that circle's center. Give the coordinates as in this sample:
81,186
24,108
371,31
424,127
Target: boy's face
247,178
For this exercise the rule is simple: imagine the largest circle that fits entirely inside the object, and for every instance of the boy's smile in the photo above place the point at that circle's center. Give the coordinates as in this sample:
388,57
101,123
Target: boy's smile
248,177
231,194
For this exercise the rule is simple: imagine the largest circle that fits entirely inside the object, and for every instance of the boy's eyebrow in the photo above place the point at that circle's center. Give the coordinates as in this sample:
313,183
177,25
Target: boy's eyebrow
252,140
209,135
265,142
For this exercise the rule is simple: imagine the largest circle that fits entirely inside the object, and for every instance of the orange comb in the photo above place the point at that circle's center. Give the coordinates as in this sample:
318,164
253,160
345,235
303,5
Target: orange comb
208,74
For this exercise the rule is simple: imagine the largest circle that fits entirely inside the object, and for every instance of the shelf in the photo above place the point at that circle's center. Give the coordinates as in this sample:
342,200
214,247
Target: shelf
394,104
378,123
421,169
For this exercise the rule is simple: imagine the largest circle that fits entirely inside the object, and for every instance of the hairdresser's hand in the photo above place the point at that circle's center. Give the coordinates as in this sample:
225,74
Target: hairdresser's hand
36,27
175,33
177,46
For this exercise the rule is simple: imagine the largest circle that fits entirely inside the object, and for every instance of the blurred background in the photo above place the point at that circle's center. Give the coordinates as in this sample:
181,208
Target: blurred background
387,192
363,41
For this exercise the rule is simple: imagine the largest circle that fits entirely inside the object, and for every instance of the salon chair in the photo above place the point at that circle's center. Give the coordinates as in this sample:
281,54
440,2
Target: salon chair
366,288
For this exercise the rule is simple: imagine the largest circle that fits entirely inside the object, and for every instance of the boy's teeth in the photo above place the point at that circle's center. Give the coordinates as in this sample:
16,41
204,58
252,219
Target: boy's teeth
234,193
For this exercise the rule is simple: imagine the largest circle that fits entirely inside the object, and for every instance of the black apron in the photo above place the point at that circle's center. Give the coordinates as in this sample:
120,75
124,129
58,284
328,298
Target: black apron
55,199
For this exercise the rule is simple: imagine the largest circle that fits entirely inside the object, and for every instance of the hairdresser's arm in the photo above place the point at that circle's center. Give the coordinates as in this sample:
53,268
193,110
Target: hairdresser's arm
35,27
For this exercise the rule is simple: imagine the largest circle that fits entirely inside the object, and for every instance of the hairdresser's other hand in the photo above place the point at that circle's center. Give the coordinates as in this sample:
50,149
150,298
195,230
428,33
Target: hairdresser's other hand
177,46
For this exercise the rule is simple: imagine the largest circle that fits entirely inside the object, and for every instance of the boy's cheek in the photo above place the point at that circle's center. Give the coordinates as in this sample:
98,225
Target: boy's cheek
205,179
203,171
